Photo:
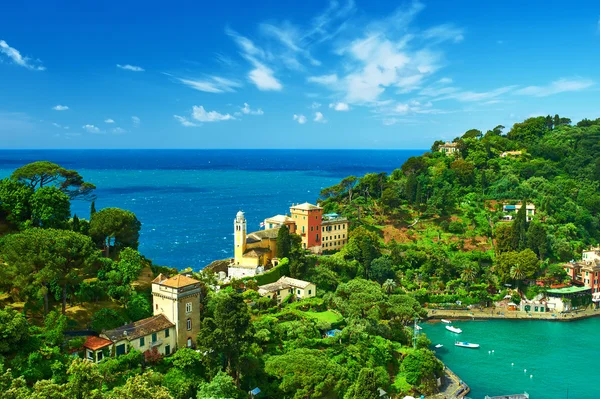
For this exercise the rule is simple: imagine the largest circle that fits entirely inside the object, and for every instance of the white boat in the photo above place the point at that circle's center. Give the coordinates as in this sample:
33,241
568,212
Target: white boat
438,346
445,321
418,327
466,345
454,329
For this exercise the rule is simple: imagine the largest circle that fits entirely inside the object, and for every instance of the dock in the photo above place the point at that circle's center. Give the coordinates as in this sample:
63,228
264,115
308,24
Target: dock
453,387
516,396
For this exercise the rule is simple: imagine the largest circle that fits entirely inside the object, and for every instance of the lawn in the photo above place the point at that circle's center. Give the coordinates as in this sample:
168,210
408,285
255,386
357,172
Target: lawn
82,314
328,316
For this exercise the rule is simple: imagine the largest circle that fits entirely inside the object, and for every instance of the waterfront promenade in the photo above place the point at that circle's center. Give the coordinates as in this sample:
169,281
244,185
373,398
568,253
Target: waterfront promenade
502,313
453,387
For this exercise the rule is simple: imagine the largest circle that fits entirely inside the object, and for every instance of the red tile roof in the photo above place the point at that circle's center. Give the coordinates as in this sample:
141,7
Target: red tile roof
175,282
95,343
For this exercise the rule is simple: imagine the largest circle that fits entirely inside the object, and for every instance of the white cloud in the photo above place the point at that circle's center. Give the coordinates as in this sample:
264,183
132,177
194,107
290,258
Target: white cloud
18,59
213,84
319,117
119,130
558,86
248,111
184,121
109,121
315,105
445,81
60,107
136,121
262,76
91,129
200,114
301,119
132,68
471,96
339,106
326,80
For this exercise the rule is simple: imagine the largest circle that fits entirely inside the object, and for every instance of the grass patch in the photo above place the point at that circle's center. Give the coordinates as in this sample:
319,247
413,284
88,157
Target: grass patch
328,316
82,314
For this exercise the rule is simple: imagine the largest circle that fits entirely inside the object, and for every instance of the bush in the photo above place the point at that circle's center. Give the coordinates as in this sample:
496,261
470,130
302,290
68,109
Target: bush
106,319
456,227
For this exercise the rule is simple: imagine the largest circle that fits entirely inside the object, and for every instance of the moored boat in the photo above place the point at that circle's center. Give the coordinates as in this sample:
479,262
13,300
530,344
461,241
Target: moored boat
454,329
445,321
466,344
418,327
438,346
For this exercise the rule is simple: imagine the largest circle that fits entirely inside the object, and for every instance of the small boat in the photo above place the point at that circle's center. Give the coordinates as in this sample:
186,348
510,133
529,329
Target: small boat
417,327
454,329
446,321
466,345
438,346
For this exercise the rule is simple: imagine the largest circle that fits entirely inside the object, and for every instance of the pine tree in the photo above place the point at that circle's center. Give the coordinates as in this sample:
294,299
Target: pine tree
92,209
76,226
519,228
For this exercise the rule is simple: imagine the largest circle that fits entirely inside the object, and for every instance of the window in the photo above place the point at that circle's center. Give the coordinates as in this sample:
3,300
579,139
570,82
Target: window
90,355
100,355
309,292
154,337
120,349
189,342
157,306
298,292
142,341
167,350
188,307
317,236
312,228
189,324
167,332
303,229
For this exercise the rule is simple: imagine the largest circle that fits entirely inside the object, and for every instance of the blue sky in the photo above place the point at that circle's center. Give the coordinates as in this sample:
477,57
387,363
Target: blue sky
268,74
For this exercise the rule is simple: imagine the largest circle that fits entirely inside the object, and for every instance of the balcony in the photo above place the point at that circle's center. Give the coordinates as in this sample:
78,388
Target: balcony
156,343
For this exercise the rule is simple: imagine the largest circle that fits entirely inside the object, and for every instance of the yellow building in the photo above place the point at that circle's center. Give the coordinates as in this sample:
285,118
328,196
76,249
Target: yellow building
335,232
448,148
308,219
285,286
178,298
252,252
154,332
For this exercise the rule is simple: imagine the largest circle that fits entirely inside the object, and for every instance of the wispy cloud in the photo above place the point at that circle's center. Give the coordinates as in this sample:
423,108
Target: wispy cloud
248,111
315,105
211,84
118,130
326,80
136,121
91,129
339,106
262,76
60,107
60,126
558,86
109,121
319,117
132,68
15,56
301,119
184,121
200,114
470,96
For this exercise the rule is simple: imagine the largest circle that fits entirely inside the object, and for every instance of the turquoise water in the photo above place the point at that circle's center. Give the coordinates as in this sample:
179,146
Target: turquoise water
562,357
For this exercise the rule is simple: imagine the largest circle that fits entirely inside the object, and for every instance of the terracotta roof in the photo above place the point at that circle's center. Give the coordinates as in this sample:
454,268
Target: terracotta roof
305,207
279,219
261,235
95,343
256,252
140,328
177,281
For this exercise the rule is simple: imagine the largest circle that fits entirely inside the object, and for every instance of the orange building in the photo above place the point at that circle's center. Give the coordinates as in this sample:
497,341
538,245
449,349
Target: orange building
308,219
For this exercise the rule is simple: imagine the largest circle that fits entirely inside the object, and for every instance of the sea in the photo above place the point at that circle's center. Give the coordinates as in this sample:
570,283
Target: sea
187,199
546,359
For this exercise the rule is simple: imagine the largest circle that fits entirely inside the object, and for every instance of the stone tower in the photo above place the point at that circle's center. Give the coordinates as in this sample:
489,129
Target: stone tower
239,240
179,298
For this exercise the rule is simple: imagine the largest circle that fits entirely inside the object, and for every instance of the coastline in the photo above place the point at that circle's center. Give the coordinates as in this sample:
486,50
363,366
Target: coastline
492,314
453,388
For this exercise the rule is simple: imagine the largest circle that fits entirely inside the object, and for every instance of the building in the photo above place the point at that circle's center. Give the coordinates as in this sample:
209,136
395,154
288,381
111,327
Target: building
252,252
146,334
285,286
448,148
334,230
562,299
511,210
97,348
178,299
308,219
510,154
275,222
587,271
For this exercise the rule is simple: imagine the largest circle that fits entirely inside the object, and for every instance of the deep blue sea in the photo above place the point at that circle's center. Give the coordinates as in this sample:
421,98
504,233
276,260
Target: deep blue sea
187,199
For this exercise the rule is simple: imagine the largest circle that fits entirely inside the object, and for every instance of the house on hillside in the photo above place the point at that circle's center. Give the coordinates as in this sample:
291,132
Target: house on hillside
510,154
154,332
285,286
334,232
587,271
97,348
511,210
448,148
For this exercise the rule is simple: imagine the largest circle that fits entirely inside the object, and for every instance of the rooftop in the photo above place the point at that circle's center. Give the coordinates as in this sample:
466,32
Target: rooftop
305,207
139,328
261,235
256,252
279,219
448,144
283,283
177,281
567,290
95,343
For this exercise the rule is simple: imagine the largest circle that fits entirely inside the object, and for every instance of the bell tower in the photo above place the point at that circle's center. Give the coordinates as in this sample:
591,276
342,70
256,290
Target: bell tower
239,240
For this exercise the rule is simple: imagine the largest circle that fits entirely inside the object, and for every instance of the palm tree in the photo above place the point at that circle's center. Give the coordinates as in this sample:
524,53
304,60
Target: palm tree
468,274
517,273
389,286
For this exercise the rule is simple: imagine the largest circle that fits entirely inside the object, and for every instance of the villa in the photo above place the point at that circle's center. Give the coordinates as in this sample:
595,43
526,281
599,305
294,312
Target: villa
335,232
510,154
154,332
511,209
561,299
587,271
285,286
448,148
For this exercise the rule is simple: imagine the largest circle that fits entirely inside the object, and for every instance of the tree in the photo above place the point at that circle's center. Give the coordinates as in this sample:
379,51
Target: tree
84,380
14,330
106,319
50,208
517,273
519,228
348,184
359,298
366,385
226,333
139,307
472,134
43,173
364,246
382,269
142,386
15,201
117,228
537,239
389,286
221,386
283,242
421,369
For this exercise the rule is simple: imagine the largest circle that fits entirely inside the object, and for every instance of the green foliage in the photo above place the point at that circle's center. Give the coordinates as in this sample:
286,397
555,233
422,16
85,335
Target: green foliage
221,386
139,307
15,201
14,330
106,319
284,244
420,368
50,208
116,228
